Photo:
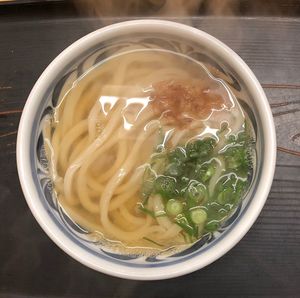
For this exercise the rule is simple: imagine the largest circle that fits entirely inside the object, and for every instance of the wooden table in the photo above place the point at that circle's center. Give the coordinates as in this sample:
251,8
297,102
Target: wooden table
267,260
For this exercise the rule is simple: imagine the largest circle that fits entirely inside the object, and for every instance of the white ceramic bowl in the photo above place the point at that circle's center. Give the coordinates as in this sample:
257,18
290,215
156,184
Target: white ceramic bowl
32,174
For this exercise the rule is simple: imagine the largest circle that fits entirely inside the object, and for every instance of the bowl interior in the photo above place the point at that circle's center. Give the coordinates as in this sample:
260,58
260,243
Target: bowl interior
76,60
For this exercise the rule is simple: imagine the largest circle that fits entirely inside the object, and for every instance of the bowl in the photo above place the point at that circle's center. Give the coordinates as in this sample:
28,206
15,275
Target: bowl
36,183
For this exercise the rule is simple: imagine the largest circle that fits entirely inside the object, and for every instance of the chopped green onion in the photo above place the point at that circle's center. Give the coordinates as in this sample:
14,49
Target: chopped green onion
178,155
200,148
152,241
242,136
181,177
198,216
237,158
205,171
225,196
233,162
231,139
209,173
146,210
184,224
165,186
150,212
240,186
212,226
174,207
192,150
196,192
189,170
185,180
174,169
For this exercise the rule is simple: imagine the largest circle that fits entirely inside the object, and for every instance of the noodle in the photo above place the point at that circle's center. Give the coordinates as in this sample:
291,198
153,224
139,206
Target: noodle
109,122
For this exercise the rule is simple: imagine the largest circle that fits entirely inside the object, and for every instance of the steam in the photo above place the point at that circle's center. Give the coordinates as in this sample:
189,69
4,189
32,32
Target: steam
123,8
222,7
177,8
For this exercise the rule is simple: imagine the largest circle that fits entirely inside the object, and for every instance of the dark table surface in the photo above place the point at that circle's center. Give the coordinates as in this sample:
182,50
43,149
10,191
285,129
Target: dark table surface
266,262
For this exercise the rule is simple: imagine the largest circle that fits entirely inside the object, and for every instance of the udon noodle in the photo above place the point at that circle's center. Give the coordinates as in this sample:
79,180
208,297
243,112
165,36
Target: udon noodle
115,121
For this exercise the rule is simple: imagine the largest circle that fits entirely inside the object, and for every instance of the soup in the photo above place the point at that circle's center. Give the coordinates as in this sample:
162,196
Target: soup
149,149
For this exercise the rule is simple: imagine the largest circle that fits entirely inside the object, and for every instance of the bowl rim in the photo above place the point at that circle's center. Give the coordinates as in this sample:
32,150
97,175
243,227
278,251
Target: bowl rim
27,181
